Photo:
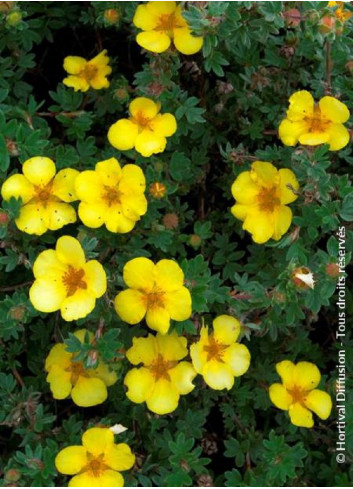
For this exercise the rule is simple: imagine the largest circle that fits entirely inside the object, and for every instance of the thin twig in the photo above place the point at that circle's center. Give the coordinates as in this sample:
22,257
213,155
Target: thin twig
328,67
14,287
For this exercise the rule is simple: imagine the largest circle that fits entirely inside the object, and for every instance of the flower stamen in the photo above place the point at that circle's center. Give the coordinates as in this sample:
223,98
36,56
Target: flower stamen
73,280
214,350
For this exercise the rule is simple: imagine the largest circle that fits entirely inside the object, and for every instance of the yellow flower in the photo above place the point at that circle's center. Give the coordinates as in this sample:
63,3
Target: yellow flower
87,387
85,74
146,130
65,281
156,291
44,195
298,394
262,194
312,124
162,23
97,462
162,379
340,13
217,356
112,196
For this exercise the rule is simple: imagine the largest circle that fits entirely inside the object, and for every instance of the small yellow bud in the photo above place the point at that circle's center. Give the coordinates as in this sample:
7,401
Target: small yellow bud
158,190
14,18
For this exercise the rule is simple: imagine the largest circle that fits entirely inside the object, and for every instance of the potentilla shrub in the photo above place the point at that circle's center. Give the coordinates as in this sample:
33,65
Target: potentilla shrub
175,244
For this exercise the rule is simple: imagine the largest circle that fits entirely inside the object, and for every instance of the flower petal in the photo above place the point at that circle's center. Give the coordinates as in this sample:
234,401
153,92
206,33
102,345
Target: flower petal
178,304
155,41
185,42
17,186
282,219
97,440
218,375
58,356
119,457
33,219
93,215
39,170
300,416
103,372
280,397
74,64
132,179
264,174
320,402
60,382
306,375
339,136
171,346
78,83
226,329
140,383
122,135
59,214
158,319
109,172
301,105
108,478
47,294
334,110
89,392
182,376
64,185
285,370
244,189
149,142
47,263
168,275
238,358
260,225
145,107
134,206
144,18
138,273
288,181
143,350
78,306
198,356
161,8
164,125
117,222
131,306
89,186
71,460
164,399
314,138
69,251
290,131
96,277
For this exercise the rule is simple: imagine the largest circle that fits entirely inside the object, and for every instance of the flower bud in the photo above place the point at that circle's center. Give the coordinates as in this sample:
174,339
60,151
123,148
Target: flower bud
14,18
171,221
12,475
111,16
158,190
195,240
292,17
332,270
303,278
3,218
17,312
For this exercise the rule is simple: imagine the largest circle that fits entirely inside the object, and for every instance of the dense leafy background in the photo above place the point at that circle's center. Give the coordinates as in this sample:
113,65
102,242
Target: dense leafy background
228,101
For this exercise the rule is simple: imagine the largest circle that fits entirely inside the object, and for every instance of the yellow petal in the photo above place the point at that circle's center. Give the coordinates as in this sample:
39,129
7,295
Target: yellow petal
244,189
144,18
281,222
96,277
60,382
164,125
178,304
164,399
89,392
285,370
280,397
168,275
78,83
59,215
117,222
100,60
33,219
306,375
320,402
47,294
290,131
339,136
97,440
158,319
89,186
122,135
39,170
182,376
171,346
100,81
69,251
240,211
81,335
138,273
185,42
74,64
143,350
314,138
333,110
288,181
64,185
140,383
264,174
145,107
155,41
260,225
131,306
198,357
71,460
58,356
108,478
17,186
301,105
109,172
78,305
300,416
238,358
93,215
47,263
148,143
218,375
133,206
226,329
104,373
119,457
132,179
161,8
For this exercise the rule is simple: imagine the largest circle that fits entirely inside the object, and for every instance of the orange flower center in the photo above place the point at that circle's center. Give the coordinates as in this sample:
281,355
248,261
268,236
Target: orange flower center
159,368
73,280
168,22
298,394
155,298
214,349
111,195
317,123
141,120
89,71
77,370
43,194
268,199
96,465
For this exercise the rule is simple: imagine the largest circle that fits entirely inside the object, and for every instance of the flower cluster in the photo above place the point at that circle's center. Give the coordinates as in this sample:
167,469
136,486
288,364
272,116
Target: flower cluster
85,74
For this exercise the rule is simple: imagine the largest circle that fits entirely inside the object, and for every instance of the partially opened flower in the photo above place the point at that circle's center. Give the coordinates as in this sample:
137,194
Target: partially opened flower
156,291
262,195
145,130
298,394
163,23
65,281
85,74
312,124
162,379
45,195
340,12
112,196
68,377
217,356
97,462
